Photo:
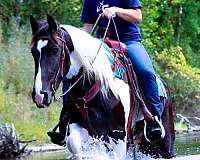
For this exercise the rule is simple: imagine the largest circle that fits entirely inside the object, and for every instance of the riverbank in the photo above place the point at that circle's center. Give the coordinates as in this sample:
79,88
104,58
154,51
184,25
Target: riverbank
46,148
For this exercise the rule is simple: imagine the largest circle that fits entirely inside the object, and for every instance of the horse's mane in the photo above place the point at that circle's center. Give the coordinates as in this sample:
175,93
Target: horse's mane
86,52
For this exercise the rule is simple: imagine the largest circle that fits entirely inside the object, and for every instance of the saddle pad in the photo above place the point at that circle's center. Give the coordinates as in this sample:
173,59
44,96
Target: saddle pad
161,88
119,70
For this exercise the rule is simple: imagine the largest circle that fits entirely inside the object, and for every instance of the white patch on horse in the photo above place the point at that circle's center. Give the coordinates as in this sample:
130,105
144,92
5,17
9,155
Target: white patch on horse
86,53
77,136
74,67
38,79
122,89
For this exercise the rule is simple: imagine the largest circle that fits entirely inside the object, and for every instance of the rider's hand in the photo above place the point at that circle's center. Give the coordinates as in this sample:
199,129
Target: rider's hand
110,12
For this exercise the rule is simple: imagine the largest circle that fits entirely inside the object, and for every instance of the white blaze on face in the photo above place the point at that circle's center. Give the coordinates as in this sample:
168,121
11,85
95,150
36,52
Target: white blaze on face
38,79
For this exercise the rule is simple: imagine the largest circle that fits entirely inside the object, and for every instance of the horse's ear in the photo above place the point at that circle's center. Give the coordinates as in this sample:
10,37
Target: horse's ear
34,24
52,24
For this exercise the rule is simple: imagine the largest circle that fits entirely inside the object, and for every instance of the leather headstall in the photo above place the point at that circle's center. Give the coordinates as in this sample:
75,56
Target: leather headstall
57,41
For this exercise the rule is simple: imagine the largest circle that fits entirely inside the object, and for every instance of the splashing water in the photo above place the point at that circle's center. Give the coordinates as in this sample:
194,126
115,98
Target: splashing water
97,149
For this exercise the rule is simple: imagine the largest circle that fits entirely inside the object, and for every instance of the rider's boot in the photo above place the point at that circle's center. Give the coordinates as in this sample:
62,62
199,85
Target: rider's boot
154,130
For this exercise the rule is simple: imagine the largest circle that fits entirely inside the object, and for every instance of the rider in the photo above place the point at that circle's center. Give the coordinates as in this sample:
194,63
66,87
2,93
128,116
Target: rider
127,15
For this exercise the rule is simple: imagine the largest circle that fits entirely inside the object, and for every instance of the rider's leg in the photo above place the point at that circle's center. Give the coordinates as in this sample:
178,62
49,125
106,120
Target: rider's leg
146,75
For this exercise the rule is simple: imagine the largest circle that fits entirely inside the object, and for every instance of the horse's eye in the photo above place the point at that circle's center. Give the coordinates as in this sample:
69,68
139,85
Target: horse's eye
55,50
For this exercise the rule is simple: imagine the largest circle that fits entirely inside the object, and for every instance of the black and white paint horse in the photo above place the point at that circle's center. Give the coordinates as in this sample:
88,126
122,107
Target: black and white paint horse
99,103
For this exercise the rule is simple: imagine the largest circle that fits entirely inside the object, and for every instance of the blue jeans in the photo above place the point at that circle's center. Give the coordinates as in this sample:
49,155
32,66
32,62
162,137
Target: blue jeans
146,75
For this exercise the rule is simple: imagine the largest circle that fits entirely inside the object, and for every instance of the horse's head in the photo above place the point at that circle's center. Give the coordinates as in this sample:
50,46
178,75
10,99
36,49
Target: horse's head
50,48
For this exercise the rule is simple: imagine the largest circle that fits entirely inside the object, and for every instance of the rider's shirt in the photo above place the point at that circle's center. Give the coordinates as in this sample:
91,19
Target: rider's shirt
127,31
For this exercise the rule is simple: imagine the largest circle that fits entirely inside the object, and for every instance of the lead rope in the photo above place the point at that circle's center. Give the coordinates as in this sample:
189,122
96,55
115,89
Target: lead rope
95,25
58,98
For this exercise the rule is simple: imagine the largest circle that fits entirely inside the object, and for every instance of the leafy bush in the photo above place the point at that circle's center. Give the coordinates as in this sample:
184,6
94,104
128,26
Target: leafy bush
184,80
16,61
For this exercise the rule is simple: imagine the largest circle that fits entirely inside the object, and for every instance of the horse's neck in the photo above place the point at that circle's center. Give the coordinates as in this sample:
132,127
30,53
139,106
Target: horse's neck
79,57
87,53
85,46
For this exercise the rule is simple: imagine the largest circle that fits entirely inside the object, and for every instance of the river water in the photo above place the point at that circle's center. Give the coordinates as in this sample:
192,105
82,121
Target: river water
187,148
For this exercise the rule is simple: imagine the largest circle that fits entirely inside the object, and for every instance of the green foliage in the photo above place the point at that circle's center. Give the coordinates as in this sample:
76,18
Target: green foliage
27,118
180,126
2,97
65,11
170,23
184,80
16,62
172,58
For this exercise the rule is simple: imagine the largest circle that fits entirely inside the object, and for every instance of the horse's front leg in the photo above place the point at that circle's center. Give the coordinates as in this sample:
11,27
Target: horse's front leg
119,150
77,136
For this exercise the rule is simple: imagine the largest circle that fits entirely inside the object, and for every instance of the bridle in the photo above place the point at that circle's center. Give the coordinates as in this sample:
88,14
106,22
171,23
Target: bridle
54,83
55,40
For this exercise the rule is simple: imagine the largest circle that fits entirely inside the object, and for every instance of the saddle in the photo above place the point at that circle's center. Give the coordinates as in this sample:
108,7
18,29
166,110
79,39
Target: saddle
116,45
116,51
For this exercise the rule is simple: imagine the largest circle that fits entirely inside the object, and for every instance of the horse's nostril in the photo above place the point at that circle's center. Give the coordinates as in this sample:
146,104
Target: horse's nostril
45,100
44,93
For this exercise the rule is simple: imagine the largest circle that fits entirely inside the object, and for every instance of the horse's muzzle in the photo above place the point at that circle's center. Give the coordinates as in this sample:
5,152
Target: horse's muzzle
42,100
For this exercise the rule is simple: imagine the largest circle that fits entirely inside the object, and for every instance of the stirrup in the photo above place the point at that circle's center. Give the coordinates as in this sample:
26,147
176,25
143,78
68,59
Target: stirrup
146,134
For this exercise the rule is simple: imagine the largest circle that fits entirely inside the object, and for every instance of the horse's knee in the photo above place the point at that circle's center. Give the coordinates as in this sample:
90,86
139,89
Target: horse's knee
76,137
